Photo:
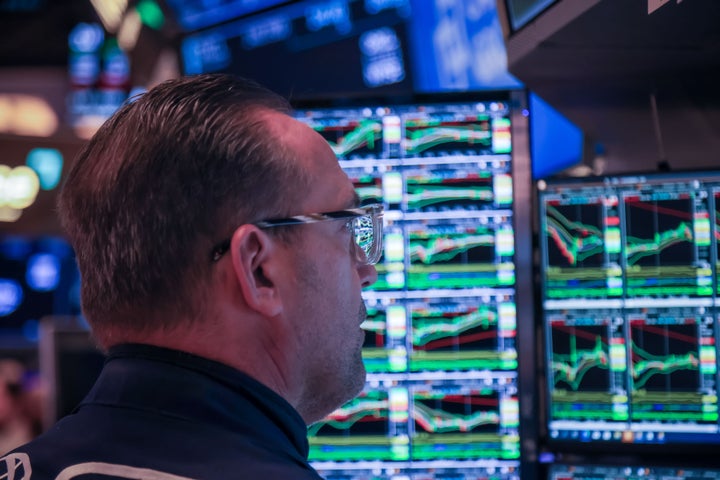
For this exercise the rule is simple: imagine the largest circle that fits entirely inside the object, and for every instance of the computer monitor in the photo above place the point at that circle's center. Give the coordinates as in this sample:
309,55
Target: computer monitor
442,350
70,362
522,12
304,48
631,471
314,49
629,274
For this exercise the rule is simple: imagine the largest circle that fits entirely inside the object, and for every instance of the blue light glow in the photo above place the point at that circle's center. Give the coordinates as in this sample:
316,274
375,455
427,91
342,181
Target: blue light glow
328,14
55,245
15,248
47,163
11,296
43,272
86,38
31,330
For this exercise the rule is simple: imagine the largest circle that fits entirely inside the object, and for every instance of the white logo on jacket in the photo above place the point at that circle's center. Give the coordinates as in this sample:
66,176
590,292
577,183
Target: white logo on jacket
18,467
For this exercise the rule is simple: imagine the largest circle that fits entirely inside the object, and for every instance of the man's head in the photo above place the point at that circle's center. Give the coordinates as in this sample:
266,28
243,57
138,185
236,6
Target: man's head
189,164
156,185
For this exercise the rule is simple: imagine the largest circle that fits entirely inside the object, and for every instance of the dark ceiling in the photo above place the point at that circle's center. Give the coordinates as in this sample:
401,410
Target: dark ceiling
609,65
34,32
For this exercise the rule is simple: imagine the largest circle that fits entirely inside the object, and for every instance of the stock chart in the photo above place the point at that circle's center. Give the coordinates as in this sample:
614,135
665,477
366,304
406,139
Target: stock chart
440,351
630,306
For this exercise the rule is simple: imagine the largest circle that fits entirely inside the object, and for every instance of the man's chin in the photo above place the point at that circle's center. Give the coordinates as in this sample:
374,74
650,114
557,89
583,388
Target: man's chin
359,384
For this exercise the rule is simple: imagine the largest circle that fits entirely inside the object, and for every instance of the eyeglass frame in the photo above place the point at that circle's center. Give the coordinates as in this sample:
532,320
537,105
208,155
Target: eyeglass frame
373,211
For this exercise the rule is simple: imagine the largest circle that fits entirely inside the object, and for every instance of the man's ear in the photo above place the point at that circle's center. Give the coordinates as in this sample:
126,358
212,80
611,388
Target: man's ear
253,256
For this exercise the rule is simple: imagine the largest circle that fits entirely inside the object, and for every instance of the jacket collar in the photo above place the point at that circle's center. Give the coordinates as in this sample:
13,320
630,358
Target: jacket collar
183,385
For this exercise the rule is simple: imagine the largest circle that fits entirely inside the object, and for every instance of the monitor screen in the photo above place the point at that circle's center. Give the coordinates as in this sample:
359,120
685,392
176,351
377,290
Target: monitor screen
458,45
318,48
441,399
630,472
196,14
629,273
310,49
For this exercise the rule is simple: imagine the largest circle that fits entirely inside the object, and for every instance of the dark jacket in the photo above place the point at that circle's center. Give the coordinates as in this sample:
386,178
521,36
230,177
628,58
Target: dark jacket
158,414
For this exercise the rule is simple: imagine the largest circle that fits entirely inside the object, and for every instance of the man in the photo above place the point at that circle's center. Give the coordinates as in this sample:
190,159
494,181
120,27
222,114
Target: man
226,332
16,426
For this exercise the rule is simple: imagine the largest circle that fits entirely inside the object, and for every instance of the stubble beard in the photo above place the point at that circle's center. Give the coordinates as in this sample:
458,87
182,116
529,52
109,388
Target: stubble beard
348,383
345,376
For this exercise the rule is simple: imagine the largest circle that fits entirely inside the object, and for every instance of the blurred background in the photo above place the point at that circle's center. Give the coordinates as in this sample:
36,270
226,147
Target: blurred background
593,88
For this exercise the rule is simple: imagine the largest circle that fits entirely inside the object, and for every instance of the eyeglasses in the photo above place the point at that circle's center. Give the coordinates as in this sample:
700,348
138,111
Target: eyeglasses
365,224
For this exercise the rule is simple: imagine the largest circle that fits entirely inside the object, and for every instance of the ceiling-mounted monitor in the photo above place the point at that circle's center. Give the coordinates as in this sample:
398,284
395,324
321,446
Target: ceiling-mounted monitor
521,12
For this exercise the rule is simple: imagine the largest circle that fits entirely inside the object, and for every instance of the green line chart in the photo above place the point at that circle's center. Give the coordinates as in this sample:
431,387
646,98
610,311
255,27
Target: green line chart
575,235
669,225
664,358
580,358
363,136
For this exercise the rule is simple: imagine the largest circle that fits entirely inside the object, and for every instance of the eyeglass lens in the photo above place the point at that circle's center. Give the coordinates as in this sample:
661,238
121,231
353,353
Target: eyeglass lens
366,235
